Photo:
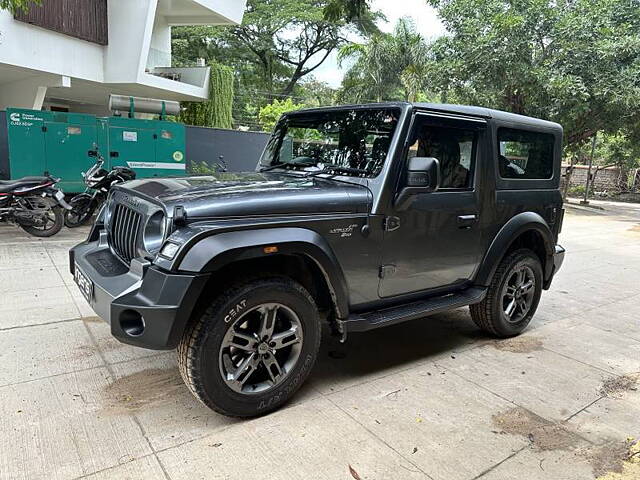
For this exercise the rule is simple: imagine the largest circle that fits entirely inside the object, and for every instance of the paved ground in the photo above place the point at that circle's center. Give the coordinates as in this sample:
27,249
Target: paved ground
430,399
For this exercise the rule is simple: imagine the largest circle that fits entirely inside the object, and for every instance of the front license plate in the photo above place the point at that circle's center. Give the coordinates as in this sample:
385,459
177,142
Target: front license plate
84,284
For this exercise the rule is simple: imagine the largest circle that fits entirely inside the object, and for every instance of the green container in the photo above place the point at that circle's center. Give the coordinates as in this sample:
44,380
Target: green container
58,144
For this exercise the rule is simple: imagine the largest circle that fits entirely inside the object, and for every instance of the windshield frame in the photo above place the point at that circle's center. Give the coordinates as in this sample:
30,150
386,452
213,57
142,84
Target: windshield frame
273,148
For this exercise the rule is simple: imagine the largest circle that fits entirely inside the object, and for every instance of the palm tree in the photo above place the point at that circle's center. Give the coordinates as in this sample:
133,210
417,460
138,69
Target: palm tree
386,67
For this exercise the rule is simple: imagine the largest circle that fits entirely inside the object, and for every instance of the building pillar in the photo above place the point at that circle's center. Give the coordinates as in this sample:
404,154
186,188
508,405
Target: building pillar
30,92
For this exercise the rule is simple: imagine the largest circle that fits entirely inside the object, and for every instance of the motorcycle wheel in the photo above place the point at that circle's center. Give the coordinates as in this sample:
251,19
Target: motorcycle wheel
53,220
82,209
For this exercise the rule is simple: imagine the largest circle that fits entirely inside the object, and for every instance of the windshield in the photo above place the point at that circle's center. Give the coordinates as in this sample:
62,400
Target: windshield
355,139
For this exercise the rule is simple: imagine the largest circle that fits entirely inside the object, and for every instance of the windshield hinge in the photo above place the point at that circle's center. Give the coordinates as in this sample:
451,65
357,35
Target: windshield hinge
391,224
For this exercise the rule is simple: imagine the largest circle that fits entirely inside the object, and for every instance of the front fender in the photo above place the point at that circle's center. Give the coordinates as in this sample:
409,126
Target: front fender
215,251
515,227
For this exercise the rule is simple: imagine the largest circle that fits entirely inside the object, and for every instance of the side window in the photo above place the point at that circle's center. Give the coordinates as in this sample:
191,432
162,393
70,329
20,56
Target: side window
525,155
455,149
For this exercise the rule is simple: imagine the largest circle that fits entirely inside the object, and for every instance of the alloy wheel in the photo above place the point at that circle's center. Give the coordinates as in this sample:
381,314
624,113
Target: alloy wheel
518,293
260,348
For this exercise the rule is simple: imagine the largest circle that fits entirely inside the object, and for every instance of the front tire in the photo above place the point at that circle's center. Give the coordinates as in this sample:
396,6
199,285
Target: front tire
513,296
252,348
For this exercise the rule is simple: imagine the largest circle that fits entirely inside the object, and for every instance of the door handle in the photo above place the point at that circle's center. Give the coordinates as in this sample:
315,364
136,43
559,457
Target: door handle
465,221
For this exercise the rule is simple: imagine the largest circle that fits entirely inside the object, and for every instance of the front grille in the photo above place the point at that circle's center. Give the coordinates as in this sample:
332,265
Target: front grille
123,231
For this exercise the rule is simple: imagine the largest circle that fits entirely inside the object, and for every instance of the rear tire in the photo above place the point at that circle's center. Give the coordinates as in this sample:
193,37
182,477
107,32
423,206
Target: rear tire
512,297
53,226
234,329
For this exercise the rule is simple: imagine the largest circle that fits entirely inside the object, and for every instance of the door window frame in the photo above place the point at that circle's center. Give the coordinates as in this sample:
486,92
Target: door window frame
445,121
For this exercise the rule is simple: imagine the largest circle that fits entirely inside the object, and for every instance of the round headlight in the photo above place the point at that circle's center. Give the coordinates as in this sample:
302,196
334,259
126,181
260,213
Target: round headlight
154,232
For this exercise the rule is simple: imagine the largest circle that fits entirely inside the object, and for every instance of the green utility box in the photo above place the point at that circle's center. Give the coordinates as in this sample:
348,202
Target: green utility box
58,144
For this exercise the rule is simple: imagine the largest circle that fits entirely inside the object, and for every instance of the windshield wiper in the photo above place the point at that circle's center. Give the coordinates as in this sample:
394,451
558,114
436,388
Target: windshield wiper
338,169
272,167
287,165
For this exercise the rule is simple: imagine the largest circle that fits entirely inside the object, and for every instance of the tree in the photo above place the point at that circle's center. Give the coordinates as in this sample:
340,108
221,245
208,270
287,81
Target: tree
315,93
575,62
356,12
269,114
216,111
277,45
387,66
15,5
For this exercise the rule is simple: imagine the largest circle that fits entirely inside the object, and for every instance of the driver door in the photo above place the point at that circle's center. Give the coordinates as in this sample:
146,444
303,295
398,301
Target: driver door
433,239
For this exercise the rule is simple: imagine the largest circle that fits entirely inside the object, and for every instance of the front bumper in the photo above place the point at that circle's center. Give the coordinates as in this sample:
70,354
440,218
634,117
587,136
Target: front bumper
144,305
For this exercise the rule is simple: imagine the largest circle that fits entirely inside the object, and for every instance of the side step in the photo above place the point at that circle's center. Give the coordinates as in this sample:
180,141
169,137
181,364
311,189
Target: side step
410,311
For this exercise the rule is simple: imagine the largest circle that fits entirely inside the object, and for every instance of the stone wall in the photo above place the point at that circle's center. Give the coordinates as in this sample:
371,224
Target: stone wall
606,179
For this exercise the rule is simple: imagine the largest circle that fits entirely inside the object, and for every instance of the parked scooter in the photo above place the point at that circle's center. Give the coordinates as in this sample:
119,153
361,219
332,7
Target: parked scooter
34,203
98,181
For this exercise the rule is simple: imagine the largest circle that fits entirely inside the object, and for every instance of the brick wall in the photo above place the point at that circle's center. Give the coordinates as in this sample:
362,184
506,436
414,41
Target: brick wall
606,179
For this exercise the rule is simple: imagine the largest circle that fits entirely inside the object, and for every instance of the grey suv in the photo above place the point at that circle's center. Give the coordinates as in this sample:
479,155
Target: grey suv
361,216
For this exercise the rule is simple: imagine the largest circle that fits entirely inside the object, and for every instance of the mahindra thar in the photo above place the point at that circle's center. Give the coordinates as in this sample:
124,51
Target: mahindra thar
360,216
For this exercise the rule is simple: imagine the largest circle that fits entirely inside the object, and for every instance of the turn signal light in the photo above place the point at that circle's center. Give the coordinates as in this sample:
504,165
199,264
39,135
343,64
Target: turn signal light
270,249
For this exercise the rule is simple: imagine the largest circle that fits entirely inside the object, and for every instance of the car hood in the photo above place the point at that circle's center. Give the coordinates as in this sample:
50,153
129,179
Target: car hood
249,194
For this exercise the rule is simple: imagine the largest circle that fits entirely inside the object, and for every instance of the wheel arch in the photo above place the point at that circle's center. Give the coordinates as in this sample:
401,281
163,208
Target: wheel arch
299,253
525,230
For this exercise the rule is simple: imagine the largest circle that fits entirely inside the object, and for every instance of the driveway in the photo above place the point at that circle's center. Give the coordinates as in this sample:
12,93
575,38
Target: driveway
433,398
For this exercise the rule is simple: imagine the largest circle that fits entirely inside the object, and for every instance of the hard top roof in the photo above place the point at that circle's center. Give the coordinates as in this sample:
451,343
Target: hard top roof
467,110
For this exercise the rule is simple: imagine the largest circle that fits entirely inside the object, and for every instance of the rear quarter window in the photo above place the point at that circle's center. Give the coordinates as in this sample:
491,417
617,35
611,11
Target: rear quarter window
525,154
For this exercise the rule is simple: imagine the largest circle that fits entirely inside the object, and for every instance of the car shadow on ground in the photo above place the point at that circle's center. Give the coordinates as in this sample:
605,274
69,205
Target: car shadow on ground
390,349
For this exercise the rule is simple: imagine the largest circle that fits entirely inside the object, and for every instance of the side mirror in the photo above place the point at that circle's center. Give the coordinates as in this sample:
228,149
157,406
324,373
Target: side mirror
92,153
423,176
423,173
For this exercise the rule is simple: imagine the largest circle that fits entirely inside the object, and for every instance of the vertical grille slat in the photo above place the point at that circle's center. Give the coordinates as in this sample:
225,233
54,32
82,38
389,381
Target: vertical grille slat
123,231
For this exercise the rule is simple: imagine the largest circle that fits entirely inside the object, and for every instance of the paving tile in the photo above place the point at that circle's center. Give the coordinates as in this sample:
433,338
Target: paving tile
619,317
146,468
531,464
40,351
539,380
605,350
315,440
57,428
615,417
34,307
59,252
17,256
113,350
437,419
25,279
153,389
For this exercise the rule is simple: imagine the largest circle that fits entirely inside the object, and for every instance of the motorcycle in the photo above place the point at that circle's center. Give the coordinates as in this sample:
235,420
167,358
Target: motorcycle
98,181
33,203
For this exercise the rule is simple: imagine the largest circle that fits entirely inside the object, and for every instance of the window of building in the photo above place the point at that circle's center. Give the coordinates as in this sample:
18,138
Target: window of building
453,147
525,155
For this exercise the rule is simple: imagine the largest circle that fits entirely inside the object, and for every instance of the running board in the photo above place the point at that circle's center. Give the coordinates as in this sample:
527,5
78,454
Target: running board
410,311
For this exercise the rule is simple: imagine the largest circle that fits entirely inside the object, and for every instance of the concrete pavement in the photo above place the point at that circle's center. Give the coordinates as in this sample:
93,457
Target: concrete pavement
434,398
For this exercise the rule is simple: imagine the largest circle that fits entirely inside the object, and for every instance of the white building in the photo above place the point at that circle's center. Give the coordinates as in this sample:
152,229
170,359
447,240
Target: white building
70,55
